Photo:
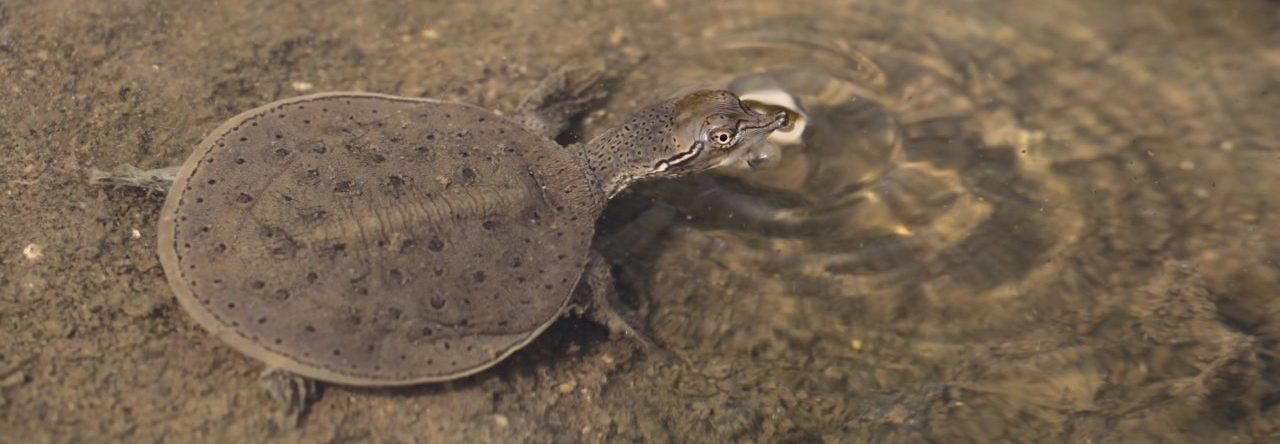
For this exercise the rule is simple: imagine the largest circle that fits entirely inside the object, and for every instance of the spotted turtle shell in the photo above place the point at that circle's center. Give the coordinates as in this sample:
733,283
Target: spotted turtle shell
376,240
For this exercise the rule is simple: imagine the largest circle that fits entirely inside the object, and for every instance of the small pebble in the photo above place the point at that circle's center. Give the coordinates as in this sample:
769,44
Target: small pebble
13,379
616,36
135,233
302,86
566,388
856,344
501,421
33,252
430,34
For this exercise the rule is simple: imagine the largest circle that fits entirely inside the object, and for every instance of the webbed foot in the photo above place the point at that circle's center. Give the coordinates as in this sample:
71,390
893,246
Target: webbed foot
293,392
596,299
570,91
157,181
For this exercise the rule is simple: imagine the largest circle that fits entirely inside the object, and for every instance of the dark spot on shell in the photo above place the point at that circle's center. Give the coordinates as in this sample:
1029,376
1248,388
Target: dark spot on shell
437,302
262,320
337,352
309,329
435,244
312,277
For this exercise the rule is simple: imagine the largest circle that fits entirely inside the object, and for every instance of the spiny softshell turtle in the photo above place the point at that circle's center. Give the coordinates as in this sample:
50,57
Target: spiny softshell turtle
375,240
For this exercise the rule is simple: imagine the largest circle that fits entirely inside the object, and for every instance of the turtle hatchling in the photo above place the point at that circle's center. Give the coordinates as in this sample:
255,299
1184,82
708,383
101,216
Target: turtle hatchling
374,240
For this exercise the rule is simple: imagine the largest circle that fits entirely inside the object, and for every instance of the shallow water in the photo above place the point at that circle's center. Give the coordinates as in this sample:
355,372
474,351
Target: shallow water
1004,222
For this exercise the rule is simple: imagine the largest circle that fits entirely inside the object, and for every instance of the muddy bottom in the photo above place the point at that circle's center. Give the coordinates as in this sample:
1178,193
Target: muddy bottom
1019,223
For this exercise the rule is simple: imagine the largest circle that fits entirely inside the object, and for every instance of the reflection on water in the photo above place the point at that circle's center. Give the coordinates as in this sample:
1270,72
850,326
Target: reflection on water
960,246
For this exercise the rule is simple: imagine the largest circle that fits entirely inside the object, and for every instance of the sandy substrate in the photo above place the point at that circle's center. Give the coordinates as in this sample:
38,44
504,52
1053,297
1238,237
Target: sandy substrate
93,348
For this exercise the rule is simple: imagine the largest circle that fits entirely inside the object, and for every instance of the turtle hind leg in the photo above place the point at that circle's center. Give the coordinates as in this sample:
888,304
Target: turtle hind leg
567,93
294,393
156,181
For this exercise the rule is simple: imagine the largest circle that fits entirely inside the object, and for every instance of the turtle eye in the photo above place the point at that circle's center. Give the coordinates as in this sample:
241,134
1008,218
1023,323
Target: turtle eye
722,137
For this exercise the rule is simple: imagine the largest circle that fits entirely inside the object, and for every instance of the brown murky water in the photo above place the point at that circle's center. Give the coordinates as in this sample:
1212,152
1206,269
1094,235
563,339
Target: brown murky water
1028,222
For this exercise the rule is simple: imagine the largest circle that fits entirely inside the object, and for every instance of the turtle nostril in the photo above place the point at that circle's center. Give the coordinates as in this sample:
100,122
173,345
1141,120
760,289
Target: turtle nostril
781,120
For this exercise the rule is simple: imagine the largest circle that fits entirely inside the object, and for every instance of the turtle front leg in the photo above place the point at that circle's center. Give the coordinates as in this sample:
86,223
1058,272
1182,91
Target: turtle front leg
596,299
569,92
293,392
158,180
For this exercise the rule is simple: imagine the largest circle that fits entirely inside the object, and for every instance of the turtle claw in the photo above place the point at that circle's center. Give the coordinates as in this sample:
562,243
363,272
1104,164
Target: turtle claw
293,392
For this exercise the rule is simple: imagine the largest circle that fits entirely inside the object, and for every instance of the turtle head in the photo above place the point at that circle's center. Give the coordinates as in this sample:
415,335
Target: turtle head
683,135
708,127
